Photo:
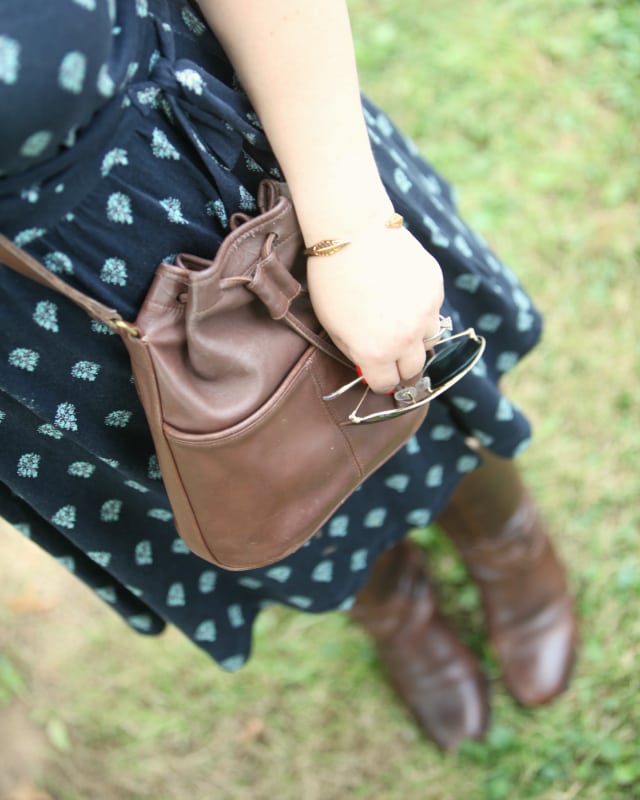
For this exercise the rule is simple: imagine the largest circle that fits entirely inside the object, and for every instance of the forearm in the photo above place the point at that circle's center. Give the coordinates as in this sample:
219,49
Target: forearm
380,296
296,62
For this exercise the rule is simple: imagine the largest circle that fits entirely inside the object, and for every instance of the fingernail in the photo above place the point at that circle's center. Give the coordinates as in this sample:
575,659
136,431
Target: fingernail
359,374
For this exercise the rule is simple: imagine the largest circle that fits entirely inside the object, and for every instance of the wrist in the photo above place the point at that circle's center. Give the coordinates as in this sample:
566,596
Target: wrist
332,246
336,188
341,212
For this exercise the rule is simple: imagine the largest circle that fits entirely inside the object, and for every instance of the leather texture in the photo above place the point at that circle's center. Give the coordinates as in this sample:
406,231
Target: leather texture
434,673
231,366
530,616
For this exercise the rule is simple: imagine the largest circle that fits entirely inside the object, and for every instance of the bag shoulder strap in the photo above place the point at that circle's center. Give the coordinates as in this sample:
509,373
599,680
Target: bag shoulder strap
19,261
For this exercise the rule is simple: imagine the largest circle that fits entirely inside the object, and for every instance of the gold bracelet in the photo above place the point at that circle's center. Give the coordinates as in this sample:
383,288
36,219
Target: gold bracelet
329,247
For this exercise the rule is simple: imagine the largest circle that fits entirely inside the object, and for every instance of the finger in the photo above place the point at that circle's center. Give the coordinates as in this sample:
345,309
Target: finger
381,378
411,363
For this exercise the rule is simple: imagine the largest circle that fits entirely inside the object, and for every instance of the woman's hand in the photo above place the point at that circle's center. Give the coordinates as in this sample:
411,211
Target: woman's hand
378,298
381,295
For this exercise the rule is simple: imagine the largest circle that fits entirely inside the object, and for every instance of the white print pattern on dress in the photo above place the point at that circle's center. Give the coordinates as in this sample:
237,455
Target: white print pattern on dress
101,328
153,468
162,514
28,465
114,272
65,517
149,96
161,147
24,358
144,553
105,83
235,615
215,208
28,235
176,595
418,517
35,144
46,316
191,80
72,72
9,60
323,572
68,562
31,194
108,594
359,560
397,482
434,476
138,487
116,157
375,518
173,207
247,203
141,622
280,574
207,581
195,25
110,510
66,417
100,557
59,262
467,463
206,631
81,469
339,526
118,419
85,370
50,430
119,208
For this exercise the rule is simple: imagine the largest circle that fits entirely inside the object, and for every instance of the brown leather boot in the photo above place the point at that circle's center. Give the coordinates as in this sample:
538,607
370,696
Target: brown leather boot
435,675
493,520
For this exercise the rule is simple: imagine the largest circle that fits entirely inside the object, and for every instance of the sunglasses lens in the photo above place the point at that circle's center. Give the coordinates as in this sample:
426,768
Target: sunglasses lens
452,359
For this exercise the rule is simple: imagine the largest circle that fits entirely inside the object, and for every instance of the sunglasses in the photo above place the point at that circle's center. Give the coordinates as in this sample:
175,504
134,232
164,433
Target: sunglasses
449,361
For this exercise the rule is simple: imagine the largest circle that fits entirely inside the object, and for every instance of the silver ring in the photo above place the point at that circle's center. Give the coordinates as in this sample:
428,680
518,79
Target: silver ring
445,325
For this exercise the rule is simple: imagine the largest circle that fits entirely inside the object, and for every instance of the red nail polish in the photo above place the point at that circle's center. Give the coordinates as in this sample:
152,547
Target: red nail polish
359,374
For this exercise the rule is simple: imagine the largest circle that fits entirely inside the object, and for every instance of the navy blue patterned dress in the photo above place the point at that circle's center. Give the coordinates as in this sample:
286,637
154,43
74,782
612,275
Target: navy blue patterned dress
126,139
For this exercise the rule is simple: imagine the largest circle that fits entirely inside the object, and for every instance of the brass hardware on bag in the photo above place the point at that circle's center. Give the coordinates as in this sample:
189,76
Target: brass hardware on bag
127,327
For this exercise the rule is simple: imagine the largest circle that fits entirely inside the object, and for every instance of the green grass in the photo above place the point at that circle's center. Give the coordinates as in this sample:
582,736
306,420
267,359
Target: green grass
532,110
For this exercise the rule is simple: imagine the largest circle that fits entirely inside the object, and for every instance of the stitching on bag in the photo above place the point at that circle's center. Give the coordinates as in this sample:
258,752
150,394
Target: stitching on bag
258,229
155,404
222,437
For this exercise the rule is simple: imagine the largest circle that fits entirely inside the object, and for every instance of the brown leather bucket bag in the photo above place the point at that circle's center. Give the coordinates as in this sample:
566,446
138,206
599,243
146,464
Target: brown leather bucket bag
232,367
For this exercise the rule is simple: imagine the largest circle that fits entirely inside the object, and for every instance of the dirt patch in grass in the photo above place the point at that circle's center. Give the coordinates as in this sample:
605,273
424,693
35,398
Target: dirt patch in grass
23,751
44,611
